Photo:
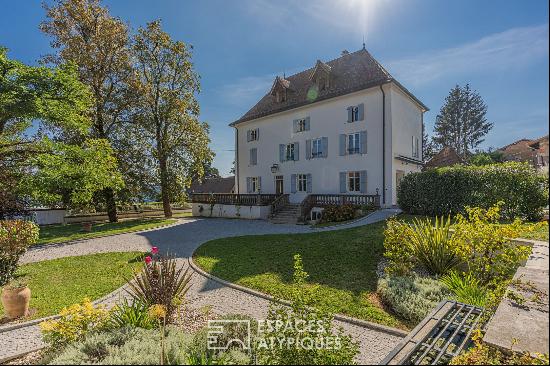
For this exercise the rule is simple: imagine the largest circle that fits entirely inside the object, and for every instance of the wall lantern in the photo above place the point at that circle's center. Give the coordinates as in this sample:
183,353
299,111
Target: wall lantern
274,168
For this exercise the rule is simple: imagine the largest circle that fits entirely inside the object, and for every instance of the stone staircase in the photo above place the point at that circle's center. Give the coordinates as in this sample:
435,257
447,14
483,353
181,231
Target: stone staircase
286,215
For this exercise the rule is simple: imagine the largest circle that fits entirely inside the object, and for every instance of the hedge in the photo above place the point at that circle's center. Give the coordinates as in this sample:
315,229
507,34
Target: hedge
449,190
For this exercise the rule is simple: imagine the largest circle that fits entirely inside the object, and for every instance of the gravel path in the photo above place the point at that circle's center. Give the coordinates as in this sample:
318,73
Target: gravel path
181,240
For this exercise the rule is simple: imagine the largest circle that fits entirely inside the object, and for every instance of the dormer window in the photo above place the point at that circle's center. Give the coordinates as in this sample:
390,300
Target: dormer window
322,83
321,75
281,96
279,89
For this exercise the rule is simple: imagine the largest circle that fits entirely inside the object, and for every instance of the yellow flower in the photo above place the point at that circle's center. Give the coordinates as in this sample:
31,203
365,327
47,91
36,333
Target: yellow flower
157,311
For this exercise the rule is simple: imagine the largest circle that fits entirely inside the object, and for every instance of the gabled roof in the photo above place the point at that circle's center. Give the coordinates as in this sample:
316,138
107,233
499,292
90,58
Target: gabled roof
349,73
214,185
446,157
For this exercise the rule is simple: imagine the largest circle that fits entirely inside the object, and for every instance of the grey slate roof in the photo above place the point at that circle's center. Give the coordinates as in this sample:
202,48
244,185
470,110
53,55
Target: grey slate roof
349,73
214,185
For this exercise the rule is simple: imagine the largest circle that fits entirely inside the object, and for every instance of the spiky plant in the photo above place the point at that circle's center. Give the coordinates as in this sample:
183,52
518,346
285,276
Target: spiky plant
161,282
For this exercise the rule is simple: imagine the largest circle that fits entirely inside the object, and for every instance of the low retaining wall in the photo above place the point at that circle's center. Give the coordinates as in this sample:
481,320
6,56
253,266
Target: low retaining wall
120,215
231,211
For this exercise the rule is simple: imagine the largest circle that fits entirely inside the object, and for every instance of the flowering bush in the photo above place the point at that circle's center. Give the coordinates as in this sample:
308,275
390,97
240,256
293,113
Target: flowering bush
75,322
336,213
15,237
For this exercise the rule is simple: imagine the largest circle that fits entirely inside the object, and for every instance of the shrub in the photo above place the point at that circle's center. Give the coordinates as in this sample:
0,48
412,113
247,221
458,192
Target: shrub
412,297
316,330
75,322
337,213
15,237
420,243
134,314
449,190
160,282
466,288
126,346
482,354
485,247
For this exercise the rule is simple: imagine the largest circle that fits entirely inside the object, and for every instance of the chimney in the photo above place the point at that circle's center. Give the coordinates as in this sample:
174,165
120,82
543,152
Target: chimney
345,52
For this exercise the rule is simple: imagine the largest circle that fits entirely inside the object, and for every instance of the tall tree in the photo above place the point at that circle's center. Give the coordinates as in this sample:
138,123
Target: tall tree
85,33
55,103
168,117
428,146
461,122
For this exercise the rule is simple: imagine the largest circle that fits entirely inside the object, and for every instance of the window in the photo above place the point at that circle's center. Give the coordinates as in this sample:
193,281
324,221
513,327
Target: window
255,184
415,147
301,182
354,181
281,96
316,148
322,83
354,145
302,125
253,135
253,156
355,114
289,152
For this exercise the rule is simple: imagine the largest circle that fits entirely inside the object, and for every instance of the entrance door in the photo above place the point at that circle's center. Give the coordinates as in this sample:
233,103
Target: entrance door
279,184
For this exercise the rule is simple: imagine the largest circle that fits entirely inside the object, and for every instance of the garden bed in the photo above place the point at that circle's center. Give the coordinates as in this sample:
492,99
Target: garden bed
58,283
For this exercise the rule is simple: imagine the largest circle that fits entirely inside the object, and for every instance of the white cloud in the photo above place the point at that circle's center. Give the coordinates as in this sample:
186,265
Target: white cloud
510,49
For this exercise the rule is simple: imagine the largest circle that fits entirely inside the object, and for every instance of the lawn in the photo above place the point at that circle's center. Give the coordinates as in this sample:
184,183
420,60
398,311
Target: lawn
342,263
60,233
61,282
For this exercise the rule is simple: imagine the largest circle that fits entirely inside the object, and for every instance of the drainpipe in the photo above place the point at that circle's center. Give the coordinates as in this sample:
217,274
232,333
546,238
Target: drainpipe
383,145
237,159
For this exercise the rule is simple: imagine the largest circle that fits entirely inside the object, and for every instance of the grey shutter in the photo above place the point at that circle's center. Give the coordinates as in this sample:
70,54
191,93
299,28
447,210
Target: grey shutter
248,184
308,149
259,187
308,183
248,137
361,108
343,182
295,126
253,156
342,144
281,153
296,151
324,144
257,134
350,111
363,181
412,146
293,183
363,142
307,123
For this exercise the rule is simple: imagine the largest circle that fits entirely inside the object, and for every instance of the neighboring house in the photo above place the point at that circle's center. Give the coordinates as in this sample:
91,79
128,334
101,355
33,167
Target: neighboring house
342,127
446,157
534,152
214,185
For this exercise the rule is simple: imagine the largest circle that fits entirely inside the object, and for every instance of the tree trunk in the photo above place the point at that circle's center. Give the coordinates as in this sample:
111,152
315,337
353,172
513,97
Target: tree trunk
109,195
164,187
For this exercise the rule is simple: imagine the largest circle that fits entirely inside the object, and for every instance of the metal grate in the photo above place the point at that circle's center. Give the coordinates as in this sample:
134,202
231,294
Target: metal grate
439,337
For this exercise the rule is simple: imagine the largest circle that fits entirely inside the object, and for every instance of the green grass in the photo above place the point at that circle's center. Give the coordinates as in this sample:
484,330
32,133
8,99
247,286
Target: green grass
58,283
60,233
342,263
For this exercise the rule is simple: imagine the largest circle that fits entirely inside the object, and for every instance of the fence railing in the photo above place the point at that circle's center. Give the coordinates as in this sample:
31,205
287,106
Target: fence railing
234,199
323,200
279,203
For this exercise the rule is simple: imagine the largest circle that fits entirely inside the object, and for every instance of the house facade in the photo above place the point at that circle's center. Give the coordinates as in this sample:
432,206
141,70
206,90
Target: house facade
342,127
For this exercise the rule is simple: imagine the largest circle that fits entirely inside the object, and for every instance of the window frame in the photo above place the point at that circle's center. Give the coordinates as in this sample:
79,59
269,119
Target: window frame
301,125
254,184
355,113
356,139
353,179
253,134
289,152
301,182
316,144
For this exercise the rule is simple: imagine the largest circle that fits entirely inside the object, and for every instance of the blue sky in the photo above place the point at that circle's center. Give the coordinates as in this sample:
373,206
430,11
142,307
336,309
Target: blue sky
499,47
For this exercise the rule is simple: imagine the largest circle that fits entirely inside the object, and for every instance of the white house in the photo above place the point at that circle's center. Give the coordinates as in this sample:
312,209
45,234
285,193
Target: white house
342,127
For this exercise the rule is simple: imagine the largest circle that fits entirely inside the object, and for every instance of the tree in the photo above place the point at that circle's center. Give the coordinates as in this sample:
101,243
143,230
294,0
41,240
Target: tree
428,146
55,103
85,33
168,113
461,122
487,157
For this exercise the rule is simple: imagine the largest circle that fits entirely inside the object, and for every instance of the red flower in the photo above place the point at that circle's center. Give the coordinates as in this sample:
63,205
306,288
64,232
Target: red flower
148,260
154,250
